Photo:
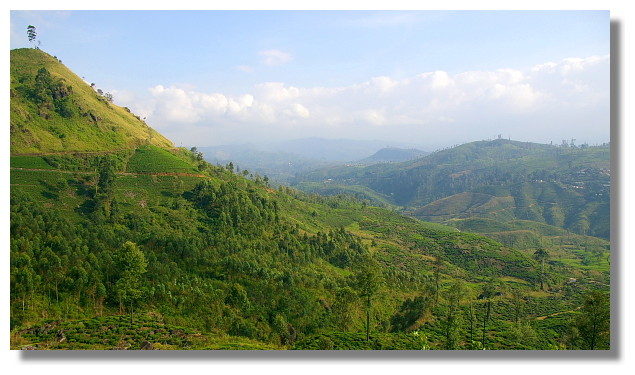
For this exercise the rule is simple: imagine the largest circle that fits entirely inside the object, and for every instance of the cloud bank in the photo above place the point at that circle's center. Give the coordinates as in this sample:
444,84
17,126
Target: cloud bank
550,101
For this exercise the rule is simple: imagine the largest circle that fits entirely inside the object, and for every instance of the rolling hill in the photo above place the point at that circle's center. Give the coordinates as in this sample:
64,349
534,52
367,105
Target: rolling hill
565,187
118,240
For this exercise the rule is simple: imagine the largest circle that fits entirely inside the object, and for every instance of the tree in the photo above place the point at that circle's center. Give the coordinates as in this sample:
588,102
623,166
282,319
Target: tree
518,300
77,279
541,256
32,35
42,91
343,308
104,189
367,281
452,320
106,174
131,264
438,264
109,97
593,324
487,295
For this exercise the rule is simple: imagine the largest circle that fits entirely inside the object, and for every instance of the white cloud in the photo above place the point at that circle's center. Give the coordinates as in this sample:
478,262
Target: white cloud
273,57
556,97
571,65
276,91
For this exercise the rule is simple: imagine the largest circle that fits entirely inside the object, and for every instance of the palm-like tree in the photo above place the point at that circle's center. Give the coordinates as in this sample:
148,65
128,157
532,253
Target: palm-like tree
541,256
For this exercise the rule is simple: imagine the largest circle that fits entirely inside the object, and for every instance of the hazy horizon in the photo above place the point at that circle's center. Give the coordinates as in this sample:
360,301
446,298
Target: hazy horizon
428,78
267,145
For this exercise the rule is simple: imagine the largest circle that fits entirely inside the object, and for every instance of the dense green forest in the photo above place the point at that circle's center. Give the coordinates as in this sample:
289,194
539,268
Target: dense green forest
139,245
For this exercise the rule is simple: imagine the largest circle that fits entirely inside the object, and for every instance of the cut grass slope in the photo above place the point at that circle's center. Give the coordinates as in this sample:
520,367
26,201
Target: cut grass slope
85,122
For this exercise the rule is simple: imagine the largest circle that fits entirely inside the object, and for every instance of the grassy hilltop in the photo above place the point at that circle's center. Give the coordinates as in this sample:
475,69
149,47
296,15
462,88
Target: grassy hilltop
54,110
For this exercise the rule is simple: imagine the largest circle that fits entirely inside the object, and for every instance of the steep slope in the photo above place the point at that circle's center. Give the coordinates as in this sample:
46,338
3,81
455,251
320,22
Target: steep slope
54,110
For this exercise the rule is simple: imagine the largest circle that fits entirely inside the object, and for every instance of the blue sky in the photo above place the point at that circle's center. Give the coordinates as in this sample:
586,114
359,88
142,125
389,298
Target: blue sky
433,78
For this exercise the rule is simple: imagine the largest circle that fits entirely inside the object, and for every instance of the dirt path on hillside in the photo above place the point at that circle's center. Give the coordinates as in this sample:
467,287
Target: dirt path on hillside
103,152
50,170
71,152
175,174
558,313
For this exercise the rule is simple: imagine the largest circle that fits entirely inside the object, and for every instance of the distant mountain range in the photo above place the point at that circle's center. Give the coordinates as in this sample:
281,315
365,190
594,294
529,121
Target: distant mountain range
332,150
281,161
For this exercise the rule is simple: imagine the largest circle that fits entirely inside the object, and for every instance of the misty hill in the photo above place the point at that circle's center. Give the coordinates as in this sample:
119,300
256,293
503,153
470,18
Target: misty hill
54,110
278,165
393,154
330,150
131,246
282,161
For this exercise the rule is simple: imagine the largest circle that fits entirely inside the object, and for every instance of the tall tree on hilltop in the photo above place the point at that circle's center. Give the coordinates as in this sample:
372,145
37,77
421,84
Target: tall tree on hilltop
32,35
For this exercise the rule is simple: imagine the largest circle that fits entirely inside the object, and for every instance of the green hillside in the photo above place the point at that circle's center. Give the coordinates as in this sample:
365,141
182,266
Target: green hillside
142,245
568,187
553,203
54,110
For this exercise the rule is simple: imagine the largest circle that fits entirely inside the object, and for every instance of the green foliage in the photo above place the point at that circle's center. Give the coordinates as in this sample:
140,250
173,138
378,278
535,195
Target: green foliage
410,311
87,162
357,341
593,323
152,159
29,162
148,332
130,265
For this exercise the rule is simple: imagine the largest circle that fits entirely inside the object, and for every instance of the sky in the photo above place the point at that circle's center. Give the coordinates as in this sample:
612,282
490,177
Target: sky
426,78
